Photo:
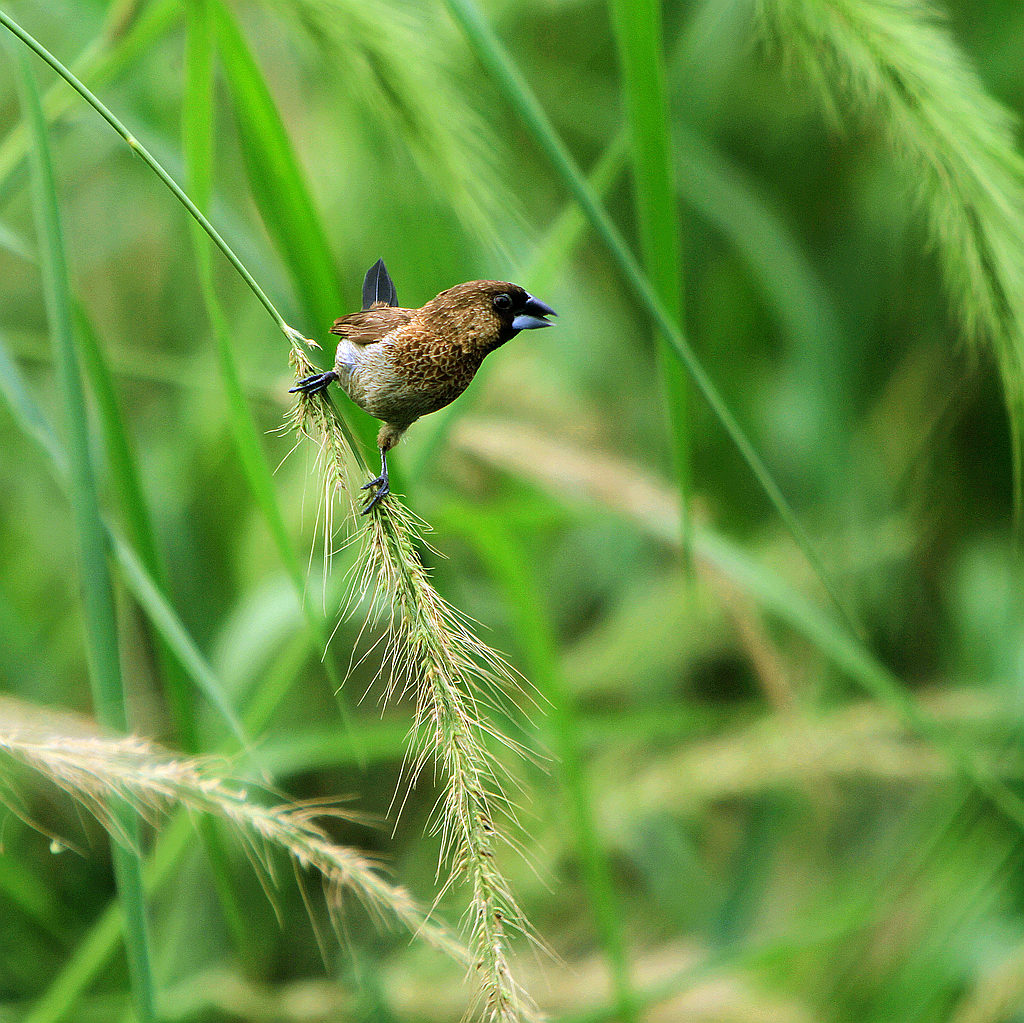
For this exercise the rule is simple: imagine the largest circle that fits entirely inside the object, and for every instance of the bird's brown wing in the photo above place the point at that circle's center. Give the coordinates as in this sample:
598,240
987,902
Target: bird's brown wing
370,325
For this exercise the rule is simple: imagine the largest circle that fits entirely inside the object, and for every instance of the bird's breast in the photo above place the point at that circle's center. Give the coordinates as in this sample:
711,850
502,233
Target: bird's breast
402,379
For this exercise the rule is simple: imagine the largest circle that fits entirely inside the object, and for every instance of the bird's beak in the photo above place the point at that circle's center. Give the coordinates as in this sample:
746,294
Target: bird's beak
532,314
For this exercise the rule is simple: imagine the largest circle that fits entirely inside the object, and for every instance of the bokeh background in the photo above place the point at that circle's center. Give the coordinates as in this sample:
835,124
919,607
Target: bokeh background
744,807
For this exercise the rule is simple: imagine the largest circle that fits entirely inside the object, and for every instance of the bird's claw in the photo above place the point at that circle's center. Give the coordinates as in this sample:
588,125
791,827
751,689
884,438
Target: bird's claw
383,486
314,384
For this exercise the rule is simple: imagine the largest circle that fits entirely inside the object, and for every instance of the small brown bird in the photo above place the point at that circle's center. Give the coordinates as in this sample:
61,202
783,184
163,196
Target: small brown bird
400,364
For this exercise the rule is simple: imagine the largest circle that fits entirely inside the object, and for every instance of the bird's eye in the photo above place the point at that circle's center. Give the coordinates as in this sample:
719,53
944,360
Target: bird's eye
503,302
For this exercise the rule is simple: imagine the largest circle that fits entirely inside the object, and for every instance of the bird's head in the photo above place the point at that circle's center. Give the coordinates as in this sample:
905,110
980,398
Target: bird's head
485,314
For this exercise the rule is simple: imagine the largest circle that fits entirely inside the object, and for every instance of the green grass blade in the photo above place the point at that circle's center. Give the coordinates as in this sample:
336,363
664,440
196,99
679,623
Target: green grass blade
497,548
33,44
97,588
281,192
138,581
198,145
124,473
275,176
638,34
518,93
101,66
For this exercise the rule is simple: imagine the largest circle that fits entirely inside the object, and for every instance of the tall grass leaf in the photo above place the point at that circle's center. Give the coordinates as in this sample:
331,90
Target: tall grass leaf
103,62
508,564
276,178
198,135
138,581
519,94
894,66
97,588
638,34
622,487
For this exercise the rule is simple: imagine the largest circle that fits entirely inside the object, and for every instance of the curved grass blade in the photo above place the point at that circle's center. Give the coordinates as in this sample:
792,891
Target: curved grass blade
293,336
198,143
497,61
638,34
97,588
497,548
141,585
280,190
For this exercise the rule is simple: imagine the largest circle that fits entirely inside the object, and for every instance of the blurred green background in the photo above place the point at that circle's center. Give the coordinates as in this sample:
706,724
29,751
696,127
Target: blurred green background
783,806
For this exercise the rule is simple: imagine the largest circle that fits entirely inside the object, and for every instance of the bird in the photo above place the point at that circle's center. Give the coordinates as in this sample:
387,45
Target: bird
400,364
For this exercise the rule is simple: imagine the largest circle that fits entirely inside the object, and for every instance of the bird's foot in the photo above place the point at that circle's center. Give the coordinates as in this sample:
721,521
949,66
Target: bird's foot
315,384
383,486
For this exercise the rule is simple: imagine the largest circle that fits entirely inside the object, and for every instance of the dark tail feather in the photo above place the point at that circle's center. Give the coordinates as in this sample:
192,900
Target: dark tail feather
378,286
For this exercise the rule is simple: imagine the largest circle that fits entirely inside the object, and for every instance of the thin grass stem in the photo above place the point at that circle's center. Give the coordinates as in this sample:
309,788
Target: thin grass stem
507,75
98,593
638,34
293,336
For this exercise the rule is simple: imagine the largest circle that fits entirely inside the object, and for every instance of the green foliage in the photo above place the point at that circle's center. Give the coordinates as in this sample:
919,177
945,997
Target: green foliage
734,805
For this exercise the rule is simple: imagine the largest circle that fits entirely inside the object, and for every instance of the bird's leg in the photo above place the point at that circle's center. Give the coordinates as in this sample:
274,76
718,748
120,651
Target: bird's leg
315,384
381,483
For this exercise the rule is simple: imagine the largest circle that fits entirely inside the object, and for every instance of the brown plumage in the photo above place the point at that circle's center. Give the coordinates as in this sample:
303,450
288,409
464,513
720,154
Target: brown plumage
399,364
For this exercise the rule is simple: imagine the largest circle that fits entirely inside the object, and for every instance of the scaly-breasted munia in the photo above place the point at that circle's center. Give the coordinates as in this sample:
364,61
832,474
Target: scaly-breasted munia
399,364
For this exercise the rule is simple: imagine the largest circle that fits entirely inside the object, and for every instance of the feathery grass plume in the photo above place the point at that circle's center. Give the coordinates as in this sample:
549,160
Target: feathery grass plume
97,770
894,63
455,678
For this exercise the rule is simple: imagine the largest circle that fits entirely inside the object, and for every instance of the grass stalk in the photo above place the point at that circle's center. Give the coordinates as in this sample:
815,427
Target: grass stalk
493,55
638,34
293,336
454,677
197,134
101,630
498,549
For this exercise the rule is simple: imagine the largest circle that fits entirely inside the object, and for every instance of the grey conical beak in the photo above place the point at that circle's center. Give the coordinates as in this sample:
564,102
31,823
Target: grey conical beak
532,314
